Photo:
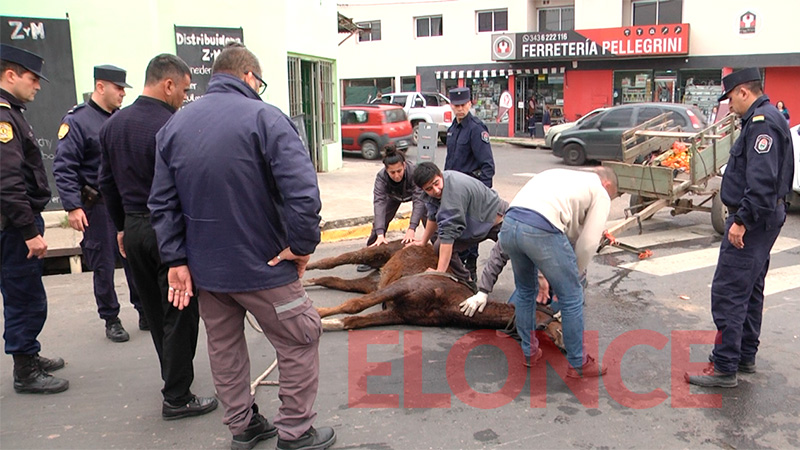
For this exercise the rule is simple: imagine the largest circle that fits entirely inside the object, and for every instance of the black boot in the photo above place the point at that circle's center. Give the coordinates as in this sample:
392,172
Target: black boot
49,365
144,325
310,440
29,377
115,332
258,429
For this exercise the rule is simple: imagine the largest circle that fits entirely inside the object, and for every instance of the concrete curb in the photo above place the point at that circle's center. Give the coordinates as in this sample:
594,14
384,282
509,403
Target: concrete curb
358,228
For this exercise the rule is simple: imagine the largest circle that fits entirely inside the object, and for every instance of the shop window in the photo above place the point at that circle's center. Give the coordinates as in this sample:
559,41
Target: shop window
486,97
408,84
429,26
492,20
650,12
633,87
557,19
369,31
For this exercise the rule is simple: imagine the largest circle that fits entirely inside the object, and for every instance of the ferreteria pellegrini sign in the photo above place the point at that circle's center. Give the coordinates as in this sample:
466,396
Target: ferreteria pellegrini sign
624,42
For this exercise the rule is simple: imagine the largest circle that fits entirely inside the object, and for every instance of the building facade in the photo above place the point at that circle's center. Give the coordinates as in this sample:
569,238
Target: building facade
572,55
75,35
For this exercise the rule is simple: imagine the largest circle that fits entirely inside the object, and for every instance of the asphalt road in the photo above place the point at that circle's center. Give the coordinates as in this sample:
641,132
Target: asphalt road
641,311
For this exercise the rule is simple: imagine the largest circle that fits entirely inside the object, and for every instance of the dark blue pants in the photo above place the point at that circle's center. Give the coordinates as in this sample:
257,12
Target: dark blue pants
174,331
24,299
737,292
100,250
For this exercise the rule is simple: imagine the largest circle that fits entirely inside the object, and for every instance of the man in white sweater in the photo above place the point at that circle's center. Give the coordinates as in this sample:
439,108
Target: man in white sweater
553,226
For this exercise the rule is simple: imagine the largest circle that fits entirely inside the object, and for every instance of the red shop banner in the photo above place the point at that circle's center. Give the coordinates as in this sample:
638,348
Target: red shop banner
623,42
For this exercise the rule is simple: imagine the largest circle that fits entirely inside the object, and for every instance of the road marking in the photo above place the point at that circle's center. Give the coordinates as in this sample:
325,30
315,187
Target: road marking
698,259
650,239
782,279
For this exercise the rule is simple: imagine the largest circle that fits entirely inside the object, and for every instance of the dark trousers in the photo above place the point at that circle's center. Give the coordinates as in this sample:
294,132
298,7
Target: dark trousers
737,293
100,250
174,331
391,210
461,245
24,299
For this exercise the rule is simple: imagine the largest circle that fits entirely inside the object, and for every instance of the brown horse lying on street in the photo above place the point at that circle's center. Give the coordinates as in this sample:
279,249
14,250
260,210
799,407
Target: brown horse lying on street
410,295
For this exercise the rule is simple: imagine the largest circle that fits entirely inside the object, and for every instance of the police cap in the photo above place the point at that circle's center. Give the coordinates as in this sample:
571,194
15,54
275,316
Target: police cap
114,74
736,78
459,96
30,61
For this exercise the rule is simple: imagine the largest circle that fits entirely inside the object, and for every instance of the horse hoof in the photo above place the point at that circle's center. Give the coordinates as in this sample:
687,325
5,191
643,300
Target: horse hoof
332,324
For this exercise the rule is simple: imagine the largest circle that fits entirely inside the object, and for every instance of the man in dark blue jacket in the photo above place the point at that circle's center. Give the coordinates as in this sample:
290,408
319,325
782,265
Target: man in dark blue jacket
754,187
127,166
235,205
469,152
75,169
24,192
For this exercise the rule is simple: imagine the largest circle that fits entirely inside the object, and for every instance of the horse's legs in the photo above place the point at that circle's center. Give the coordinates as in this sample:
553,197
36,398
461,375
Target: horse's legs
365,285
386,317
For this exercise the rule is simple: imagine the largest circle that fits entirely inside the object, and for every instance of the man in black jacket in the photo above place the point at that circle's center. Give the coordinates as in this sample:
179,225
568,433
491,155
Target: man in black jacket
24,192
127,165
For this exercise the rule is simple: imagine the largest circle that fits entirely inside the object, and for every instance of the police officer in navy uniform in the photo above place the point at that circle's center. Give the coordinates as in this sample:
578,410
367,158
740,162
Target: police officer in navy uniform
756,181
469,152
24,192
75,169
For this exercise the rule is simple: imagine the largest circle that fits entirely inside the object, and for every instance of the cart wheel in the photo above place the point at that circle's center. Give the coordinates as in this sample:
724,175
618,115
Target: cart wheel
719,214
638,203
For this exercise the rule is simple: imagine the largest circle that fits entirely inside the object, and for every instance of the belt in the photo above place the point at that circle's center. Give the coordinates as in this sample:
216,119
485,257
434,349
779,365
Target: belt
142,215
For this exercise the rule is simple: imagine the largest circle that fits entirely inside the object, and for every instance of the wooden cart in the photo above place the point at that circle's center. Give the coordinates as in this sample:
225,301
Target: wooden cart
653,186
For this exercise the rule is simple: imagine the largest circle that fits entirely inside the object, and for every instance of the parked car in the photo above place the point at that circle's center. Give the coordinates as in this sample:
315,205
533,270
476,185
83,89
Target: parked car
368,128
430,107
600,137
555,130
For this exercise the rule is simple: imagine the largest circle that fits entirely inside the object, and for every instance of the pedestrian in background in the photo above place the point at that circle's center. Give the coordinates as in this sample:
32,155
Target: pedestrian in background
394,185
235,205
24,192
553,227
754,187
468,152
782,109
127,166
76,168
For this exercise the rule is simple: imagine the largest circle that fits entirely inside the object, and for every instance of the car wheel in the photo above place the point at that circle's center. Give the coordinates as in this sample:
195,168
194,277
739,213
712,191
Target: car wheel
719,214
574,155
369,149
415,134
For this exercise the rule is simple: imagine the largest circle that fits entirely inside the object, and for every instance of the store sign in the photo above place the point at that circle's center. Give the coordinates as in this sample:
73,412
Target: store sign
624,42
747,23
50,39
199,47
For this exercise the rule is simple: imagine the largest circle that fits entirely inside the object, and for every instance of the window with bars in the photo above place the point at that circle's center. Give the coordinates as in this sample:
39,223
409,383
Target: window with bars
429,26
492,20
557,19
295,87
652,12
369,31
327,100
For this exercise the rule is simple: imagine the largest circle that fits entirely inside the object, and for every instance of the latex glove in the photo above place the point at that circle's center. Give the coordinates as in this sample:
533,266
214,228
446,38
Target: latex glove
475,303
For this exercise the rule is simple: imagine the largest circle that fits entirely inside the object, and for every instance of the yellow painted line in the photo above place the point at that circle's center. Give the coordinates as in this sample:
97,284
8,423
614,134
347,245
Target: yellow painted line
361,231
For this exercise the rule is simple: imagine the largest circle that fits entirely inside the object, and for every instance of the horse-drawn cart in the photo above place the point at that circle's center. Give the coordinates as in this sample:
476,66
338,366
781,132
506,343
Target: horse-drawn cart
665,167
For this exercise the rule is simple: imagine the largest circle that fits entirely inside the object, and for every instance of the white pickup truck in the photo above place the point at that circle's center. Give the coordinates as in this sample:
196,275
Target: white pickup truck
430,107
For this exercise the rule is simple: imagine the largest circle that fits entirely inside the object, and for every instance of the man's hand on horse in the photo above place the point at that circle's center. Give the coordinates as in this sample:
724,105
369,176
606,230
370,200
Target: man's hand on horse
475,303
381,240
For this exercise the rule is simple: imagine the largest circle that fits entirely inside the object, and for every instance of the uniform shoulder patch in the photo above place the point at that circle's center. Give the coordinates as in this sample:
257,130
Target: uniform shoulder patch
63,130
5,105
485,136
763,143
6,132
758,118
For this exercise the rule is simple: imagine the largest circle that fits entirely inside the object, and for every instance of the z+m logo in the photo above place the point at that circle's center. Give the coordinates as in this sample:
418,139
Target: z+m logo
20,31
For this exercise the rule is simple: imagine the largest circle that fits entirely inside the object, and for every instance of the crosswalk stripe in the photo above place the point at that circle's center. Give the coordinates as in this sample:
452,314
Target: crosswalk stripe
698,259
782,279
649,239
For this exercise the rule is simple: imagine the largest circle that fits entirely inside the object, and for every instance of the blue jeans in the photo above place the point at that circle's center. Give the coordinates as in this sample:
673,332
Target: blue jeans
532,249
